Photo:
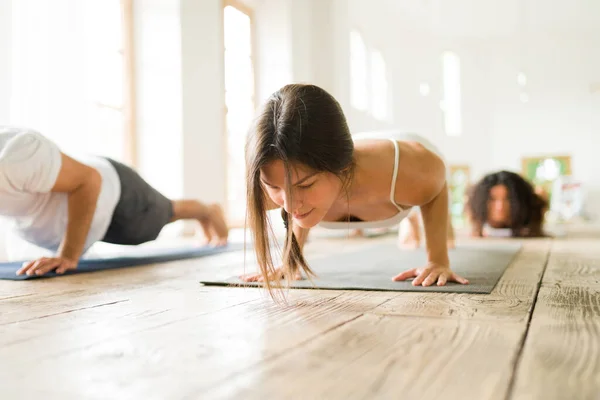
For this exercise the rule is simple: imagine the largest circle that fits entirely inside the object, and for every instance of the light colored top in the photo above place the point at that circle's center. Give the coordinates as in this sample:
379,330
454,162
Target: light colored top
29,166
392,221
496,232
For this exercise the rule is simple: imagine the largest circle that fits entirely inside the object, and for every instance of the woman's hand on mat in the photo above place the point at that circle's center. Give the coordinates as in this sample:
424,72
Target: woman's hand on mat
277,275
46,264
430,274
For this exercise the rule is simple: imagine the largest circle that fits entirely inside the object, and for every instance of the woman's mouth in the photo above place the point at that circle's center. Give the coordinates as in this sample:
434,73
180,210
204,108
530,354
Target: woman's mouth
302,216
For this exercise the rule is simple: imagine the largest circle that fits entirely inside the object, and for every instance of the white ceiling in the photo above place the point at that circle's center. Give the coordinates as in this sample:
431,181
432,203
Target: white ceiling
483,18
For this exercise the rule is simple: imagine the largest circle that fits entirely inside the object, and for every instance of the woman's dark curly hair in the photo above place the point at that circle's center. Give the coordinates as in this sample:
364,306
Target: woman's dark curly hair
526,207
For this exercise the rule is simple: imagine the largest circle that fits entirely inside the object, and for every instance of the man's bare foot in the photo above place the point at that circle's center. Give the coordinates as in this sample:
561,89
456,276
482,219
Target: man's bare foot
357,233
409,243
214,226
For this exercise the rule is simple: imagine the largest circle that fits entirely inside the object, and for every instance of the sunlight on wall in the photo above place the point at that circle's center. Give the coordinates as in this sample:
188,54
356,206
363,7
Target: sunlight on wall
452,94
68,72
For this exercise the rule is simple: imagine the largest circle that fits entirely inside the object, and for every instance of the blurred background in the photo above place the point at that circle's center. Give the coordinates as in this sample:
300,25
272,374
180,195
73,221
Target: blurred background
170,87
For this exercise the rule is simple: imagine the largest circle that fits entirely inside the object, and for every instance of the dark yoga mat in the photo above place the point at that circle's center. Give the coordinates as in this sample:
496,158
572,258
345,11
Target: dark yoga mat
151,256
374,267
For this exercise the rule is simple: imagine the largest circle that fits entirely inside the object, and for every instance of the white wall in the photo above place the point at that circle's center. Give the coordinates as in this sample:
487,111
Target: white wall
5,59
273,47
5,64
203,100
415,61
412,59
294,44
558,116
561,116
180,108
157,33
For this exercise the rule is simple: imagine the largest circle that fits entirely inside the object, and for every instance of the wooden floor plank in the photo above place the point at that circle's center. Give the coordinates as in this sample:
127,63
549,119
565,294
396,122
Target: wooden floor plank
561,356
467,338
40,337
377,356
183,355
47,297
154,332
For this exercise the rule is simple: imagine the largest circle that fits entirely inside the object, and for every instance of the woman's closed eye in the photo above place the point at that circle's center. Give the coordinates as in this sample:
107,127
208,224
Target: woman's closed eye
306,185
301,186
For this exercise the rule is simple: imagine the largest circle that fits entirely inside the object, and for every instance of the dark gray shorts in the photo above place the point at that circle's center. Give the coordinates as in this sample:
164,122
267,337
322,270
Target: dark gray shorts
141,212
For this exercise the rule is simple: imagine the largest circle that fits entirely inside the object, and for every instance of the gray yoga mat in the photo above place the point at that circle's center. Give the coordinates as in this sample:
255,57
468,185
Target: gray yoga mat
373,268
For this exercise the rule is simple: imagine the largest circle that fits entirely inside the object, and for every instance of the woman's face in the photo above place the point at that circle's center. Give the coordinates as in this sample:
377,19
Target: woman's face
313,192
499,207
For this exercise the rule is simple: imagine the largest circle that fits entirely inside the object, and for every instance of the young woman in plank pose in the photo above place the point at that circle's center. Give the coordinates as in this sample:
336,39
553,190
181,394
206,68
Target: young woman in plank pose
503,200
301,157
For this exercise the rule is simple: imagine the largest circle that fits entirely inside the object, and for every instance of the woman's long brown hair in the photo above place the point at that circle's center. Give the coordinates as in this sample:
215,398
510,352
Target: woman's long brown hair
300,125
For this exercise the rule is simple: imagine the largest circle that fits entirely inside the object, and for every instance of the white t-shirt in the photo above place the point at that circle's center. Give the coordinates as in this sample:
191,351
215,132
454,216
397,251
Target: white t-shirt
29,167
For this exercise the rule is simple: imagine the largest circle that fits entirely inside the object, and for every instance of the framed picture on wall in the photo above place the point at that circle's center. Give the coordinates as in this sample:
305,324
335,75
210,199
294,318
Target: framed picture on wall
542,171
568,198
459,181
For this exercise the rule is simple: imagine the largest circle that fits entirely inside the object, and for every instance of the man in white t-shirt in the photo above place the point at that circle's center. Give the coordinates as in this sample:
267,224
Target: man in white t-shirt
66,205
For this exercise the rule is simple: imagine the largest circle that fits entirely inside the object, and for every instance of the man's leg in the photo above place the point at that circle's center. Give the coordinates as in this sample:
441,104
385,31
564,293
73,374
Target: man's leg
210,217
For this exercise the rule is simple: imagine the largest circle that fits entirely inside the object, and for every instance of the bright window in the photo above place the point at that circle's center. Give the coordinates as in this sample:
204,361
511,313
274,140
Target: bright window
368,78
359,91
239,100
68,73
452,94
379,86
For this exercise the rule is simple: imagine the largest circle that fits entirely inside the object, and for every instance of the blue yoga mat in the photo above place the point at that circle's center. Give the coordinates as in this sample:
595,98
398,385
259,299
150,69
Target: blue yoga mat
152,256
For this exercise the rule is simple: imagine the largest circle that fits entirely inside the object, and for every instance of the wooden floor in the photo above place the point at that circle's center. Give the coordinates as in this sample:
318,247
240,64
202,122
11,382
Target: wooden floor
155,333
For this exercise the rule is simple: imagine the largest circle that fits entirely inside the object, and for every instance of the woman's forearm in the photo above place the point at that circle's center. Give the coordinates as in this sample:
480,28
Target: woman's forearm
435,222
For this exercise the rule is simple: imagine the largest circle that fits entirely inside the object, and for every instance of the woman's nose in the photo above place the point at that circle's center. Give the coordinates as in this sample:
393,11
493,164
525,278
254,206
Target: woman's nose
291,205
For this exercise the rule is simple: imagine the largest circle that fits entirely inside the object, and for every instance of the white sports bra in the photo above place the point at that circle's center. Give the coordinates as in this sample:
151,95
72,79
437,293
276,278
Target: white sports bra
384,223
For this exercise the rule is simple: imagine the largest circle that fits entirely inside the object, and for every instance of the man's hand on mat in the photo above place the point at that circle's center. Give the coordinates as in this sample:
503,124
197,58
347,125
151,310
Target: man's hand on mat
275,276
46,264
430,274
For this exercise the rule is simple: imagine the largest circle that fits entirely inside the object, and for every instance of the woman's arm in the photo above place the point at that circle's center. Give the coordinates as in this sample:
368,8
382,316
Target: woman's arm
435,223
421,175
422,182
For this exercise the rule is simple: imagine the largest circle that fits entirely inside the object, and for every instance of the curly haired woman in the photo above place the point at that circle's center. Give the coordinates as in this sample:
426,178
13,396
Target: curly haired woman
505,200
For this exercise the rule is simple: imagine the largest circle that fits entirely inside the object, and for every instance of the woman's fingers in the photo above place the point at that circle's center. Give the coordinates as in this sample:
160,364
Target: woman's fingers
442,280
459,279
431,278
411,273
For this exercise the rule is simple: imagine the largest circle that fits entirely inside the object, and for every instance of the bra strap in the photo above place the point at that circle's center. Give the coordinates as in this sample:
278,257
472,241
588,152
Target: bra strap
395,175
